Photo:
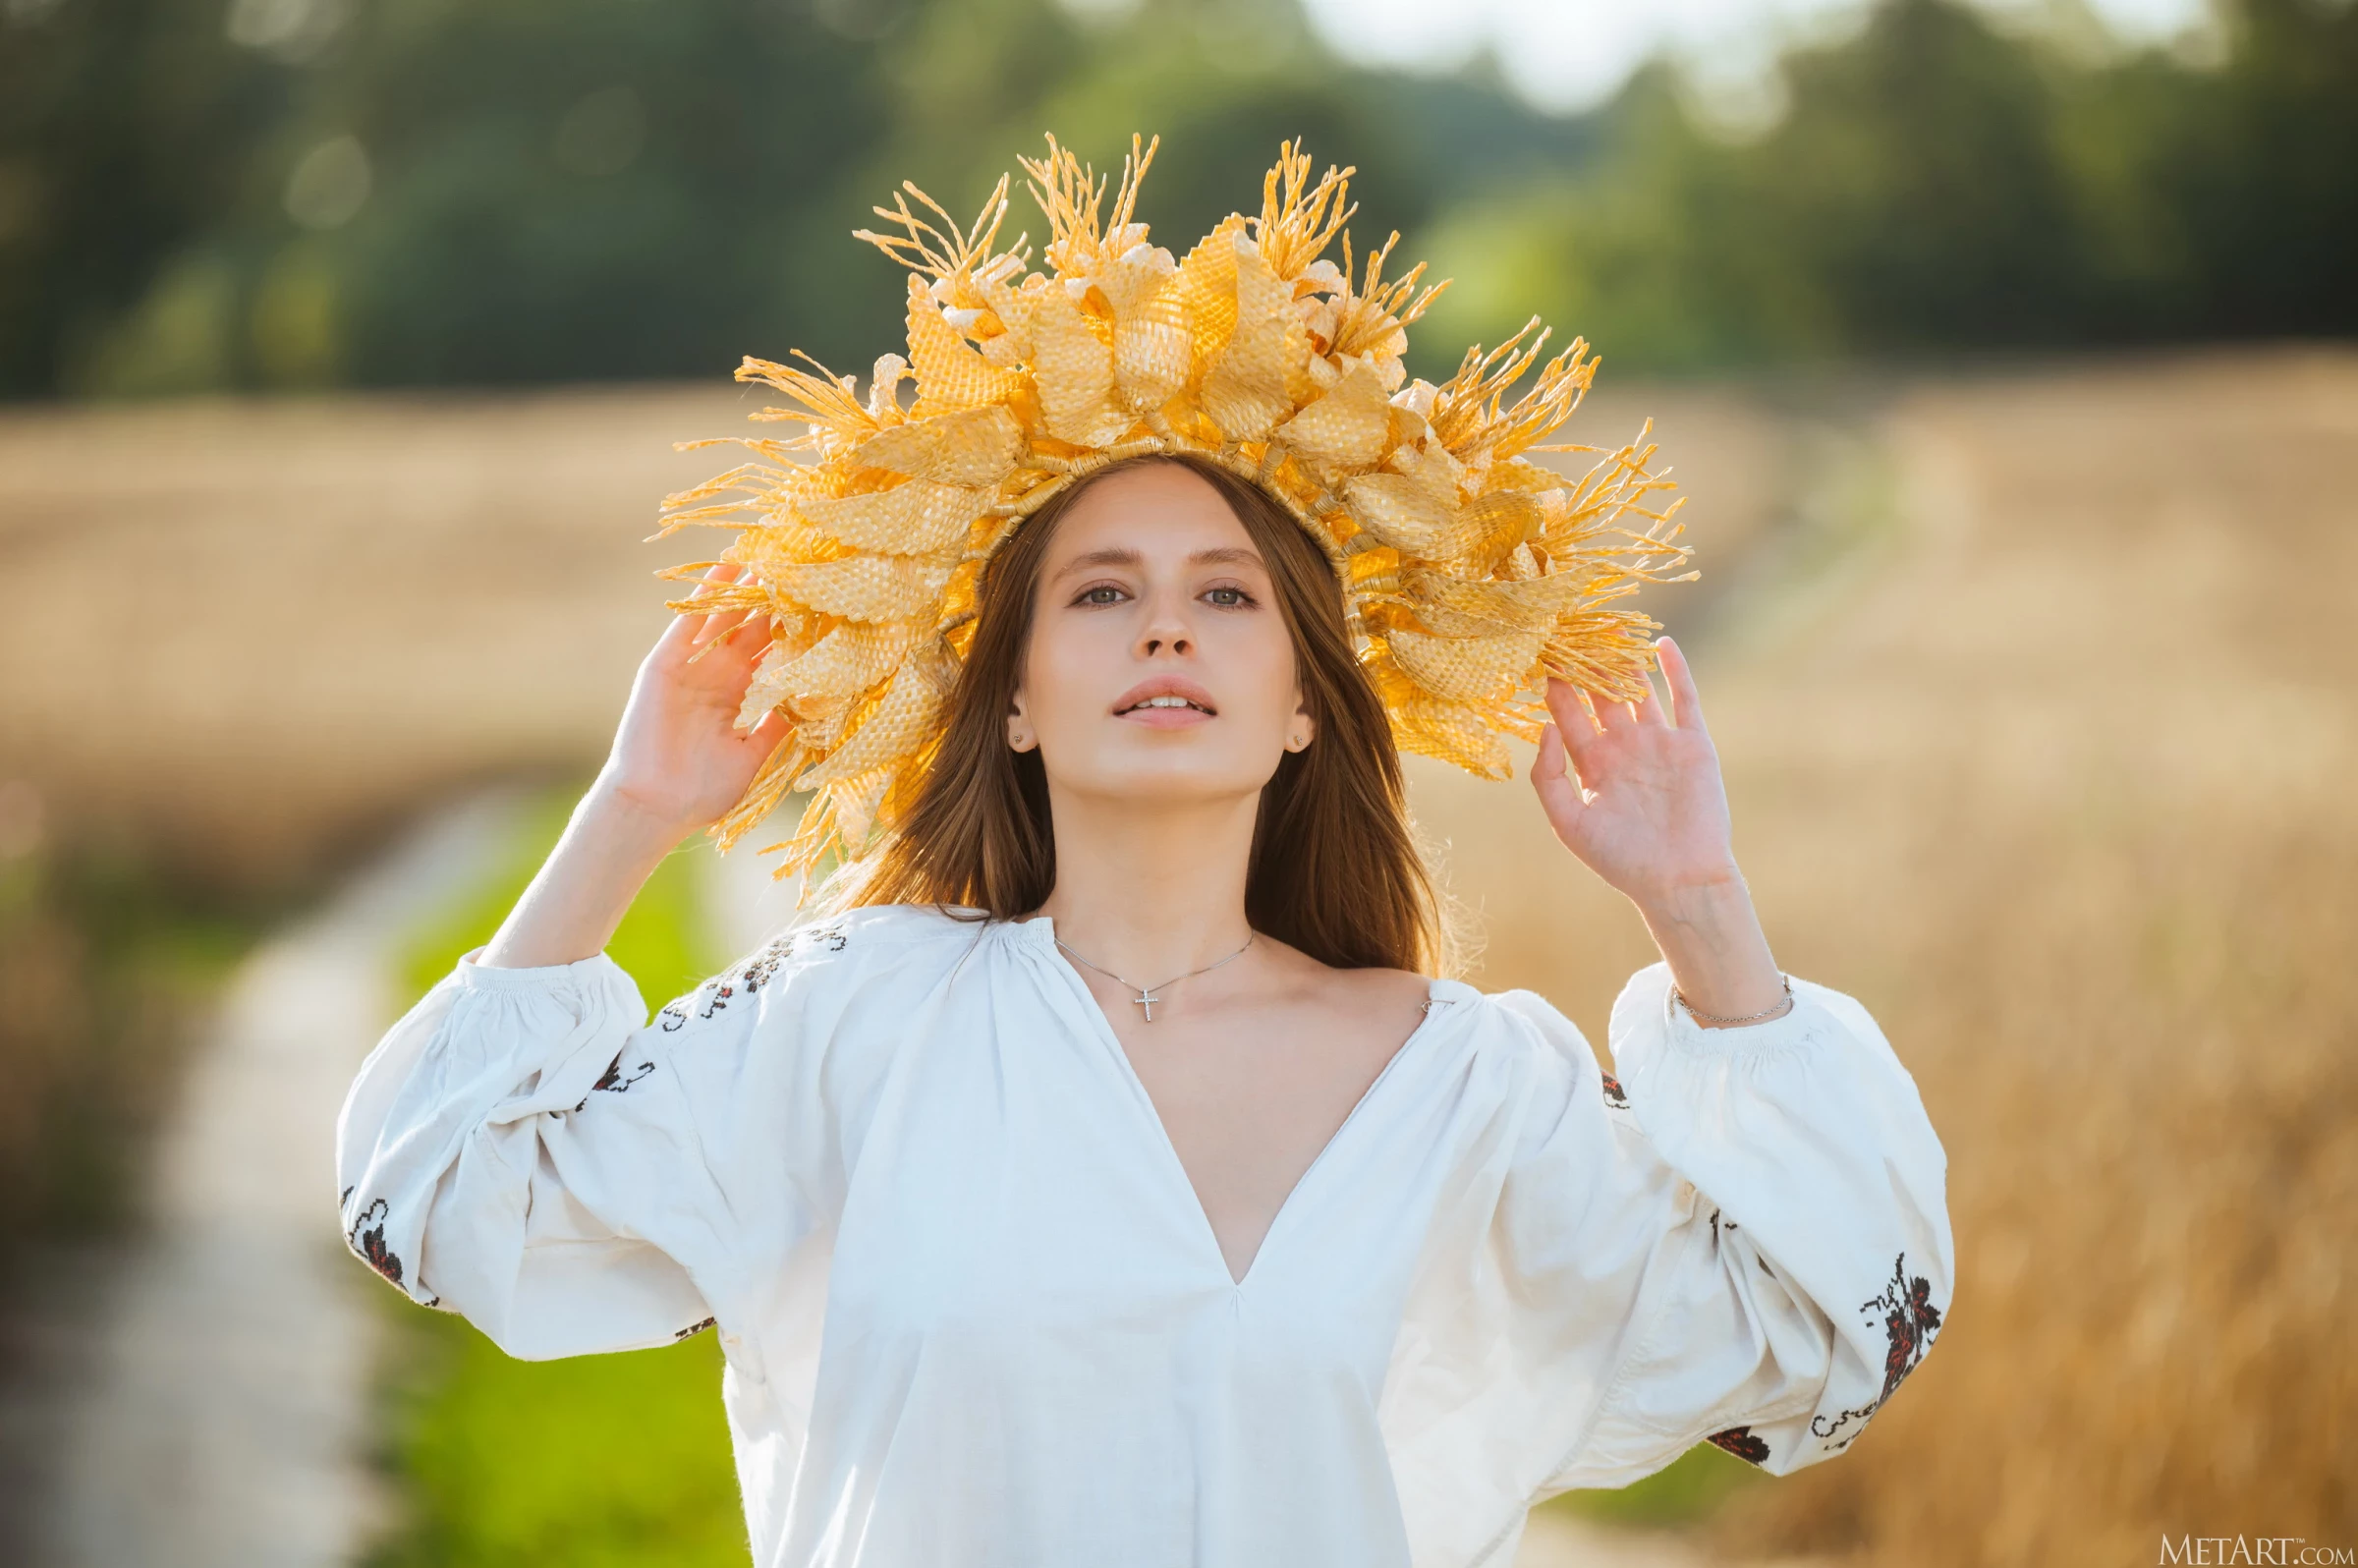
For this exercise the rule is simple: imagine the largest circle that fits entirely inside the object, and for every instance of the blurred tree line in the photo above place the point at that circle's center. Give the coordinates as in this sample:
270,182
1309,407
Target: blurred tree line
202,194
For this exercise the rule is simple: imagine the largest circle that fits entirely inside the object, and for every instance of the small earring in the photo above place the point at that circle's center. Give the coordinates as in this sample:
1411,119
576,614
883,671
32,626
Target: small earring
1296,743
1018,740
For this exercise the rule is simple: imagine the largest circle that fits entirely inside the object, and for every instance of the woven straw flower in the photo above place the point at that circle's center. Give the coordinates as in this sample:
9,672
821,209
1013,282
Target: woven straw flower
1468,573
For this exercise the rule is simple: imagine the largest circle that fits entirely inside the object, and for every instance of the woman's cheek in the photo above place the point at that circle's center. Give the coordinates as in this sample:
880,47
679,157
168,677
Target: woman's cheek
1066,668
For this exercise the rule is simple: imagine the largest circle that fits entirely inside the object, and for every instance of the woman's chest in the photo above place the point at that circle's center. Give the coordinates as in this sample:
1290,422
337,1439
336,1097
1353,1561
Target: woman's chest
1015,1187
1249,1105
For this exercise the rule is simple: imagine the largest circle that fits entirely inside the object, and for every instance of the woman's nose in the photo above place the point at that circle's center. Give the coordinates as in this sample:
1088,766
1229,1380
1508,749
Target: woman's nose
1166,631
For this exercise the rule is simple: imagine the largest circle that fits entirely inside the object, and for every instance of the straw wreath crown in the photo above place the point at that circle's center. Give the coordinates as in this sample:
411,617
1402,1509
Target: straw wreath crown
1468,573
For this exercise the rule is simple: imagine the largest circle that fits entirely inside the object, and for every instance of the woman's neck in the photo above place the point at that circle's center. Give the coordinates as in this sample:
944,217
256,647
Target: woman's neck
1152,891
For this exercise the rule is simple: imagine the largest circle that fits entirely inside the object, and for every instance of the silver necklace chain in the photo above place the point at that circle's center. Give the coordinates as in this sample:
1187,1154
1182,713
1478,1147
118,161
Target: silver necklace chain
1147,995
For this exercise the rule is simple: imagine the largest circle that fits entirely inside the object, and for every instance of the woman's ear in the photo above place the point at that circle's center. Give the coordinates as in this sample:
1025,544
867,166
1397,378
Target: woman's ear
1305,727
1019,727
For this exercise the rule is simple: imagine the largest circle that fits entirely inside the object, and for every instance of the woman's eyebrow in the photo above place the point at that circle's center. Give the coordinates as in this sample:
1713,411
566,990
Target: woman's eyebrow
1228,554
1112,555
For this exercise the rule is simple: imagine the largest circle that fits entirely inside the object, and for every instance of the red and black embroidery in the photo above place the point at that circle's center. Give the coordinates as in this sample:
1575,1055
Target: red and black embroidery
613,1080
809,940
692,1331
762,965
715,993
1742,1442
368,1241
1910,1321
750,975
1832,1426
834,937
1612,1093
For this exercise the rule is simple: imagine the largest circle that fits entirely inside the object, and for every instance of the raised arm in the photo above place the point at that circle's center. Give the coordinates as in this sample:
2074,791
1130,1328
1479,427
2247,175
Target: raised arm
1634,790
523,1147
1777,1185
677,763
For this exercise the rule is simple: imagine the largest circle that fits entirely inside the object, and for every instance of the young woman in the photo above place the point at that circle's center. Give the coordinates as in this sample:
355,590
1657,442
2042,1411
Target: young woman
1115,1183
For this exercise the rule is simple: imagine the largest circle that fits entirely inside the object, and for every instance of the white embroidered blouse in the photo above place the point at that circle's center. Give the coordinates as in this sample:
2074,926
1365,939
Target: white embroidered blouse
973,1312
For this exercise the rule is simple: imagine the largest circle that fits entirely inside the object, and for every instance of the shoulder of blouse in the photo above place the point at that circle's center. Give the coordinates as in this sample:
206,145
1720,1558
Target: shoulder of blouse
1520,1020
1646,1018
874,931
827,952
1534,1043
849,949
839,941
1517,1040
879,928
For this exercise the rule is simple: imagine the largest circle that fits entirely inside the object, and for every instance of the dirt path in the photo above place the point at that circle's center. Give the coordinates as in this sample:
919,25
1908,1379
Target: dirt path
210,1405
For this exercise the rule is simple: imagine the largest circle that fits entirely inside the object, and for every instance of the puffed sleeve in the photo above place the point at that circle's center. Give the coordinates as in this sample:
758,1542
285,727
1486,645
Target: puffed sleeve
527,1149
1793,1250
1741,1235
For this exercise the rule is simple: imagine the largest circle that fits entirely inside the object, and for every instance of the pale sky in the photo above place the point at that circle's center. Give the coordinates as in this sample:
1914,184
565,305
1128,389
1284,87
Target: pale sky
1570,54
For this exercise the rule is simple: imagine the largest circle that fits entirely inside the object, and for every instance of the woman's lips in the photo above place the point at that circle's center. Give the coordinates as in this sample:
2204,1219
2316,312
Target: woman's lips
1165,718
1167,702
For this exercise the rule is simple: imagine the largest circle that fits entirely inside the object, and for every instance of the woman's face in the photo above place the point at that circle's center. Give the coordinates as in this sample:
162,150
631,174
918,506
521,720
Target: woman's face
1159,666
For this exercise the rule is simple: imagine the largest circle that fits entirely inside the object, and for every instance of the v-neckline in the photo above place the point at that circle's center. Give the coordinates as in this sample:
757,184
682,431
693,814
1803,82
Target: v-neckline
1104,1025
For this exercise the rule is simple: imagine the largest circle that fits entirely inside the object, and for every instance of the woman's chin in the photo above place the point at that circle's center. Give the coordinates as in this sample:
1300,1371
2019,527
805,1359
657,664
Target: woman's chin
1167,774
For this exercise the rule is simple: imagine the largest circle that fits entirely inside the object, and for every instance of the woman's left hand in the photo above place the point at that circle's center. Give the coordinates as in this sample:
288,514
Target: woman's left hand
1635,792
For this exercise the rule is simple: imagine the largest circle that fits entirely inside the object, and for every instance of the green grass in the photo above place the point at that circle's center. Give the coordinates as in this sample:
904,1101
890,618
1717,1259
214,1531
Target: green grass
623,1461
597,1462
661,942
1688,1489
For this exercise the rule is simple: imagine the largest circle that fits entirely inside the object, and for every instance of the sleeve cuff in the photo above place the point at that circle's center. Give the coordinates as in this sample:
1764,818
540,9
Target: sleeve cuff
1801,1025
544,977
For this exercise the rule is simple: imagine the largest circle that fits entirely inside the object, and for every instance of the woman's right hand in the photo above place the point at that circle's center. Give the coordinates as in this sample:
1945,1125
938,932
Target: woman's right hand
679,762
678,758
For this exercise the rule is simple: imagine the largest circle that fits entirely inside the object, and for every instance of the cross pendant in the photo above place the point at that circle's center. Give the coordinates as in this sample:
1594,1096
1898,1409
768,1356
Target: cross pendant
1146,1000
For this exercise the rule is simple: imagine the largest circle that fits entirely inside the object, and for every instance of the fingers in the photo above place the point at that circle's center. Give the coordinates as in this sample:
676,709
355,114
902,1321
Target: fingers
719,622
1551,764
1650,709
1576,727
1552,780
688,627
719,629
764,737
1612,717
1686,703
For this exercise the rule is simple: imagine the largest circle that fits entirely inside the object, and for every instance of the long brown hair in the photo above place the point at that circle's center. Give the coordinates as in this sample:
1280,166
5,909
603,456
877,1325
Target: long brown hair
1334,869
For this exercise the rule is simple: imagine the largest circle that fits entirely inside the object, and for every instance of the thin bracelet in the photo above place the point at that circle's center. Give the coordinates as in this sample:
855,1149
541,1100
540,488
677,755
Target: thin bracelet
1749,1018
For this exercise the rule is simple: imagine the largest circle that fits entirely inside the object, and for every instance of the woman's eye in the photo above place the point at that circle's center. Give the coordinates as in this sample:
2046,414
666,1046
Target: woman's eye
1103,594
1228,598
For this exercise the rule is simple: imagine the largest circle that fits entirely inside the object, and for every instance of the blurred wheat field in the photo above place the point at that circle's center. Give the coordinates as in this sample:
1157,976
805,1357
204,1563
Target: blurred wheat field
246,631
2038,694
2062,781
